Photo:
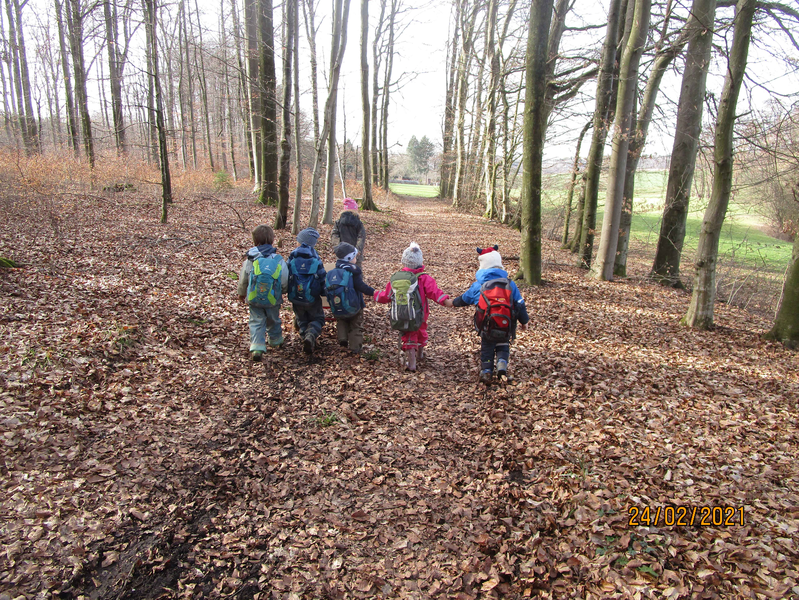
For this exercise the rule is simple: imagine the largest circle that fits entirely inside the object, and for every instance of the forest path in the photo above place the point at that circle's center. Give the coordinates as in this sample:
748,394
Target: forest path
143,450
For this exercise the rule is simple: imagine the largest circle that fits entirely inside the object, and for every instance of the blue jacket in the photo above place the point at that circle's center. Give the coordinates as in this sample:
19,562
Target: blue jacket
357,279
305,251
472,295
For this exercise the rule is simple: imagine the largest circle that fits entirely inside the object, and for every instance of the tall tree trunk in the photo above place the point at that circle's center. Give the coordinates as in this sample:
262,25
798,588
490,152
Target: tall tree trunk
268,88
573,184
492,57
152,155
227,110
337,56
666,265
368,203
251,9
376,155
662,60
534,130
604,93
392,22
625,107
281,220
72,121
203,88
75,18
33,129
447,159
703,297
151,17
786,323
114,76
310,30
464,63
342,9
295,226
190,81
16,77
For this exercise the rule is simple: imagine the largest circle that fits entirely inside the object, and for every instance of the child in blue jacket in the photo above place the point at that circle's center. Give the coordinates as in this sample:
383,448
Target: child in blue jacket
309,318
491,269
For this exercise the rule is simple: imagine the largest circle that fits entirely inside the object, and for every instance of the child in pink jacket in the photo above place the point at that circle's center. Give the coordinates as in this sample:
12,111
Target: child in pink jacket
413,342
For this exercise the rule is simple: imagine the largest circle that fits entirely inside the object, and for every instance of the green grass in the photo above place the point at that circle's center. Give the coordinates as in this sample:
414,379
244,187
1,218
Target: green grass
411,189
742,239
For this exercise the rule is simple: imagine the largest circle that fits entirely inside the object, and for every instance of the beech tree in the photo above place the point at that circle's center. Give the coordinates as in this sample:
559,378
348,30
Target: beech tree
666,266
786,324
703,297
367,202
290,12
534,127
625,102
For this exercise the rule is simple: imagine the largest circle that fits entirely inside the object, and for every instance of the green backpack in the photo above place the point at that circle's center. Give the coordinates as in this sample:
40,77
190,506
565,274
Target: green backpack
406,312
265,289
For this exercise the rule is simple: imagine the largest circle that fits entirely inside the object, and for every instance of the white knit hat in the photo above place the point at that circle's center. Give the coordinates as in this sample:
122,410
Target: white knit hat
489,257
412,256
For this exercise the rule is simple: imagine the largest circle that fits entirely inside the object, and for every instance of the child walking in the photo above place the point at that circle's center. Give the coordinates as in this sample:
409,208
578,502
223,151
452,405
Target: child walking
342,289
306,288
266,268
499,306
413,342
349,228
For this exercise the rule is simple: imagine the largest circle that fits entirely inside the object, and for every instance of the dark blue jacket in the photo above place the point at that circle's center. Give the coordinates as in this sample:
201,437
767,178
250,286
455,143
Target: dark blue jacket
305,251
357,279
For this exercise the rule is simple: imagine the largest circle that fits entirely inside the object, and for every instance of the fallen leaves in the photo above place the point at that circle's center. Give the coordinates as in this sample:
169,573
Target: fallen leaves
141,450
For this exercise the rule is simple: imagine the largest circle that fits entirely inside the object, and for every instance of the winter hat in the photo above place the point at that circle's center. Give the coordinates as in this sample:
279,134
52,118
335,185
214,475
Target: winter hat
308,236
345,251
412,256
350,204
489,257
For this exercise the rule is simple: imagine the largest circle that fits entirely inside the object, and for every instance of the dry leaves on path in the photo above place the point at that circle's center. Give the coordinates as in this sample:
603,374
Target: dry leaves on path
144,456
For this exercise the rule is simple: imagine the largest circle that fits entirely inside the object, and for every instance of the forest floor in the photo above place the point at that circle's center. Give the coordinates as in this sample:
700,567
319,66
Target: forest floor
145,456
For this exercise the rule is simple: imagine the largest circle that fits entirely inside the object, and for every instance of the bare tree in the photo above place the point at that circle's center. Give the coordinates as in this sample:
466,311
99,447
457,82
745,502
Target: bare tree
76,14
367,202
27,119
625,106
703,297
268,116
666,265
290,12
534,132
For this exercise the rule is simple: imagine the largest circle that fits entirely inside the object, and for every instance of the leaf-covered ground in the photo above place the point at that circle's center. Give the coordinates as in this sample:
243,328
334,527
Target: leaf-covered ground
144,456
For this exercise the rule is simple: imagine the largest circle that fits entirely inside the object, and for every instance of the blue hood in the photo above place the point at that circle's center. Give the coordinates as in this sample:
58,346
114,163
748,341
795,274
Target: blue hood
264,250
484,275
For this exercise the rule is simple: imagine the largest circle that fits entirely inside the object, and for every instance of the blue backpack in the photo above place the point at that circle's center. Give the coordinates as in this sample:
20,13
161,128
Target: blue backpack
341,294
305,284
264,289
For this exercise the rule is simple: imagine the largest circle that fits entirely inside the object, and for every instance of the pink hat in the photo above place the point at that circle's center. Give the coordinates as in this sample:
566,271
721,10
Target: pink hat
350,204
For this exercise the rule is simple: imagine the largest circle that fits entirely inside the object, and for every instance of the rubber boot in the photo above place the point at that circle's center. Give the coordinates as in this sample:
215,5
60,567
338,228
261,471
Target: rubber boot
412,359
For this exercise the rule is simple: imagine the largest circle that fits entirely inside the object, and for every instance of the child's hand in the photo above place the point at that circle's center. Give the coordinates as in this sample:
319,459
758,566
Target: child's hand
523,326
448,303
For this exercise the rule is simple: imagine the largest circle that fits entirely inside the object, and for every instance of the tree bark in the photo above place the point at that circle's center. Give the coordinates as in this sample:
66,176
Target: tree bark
281,220
190,80
447,160
464,61
337,55
573,185
367,203
251,31
151,16
27,119
310,31
72,120
662,60
268,89
295,225
786,323
534,129
203,88
75,18
114,76
703,297
492,57
392,22
666,265
604,93
625,106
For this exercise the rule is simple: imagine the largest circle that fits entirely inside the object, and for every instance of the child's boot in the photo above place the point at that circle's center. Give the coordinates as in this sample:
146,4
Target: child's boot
502,369
485,376
308,343
412,359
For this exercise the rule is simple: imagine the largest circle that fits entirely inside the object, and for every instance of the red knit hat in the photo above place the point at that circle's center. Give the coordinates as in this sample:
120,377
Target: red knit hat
489,257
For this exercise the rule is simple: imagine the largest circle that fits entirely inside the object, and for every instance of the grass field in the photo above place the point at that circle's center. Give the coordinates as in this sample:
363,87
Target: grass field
742,240
412,189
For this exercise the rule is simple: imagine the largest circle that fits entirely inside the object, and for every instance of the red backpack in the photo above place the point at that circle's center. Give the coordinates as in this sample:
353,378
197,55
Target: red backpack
494,318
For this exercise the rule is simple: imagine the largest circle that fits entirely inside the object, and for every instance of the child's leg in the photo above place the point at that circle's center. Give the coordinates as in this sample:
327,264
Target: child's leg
315,319
487,356
273,326
355,333
503,356
257,329
342,331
